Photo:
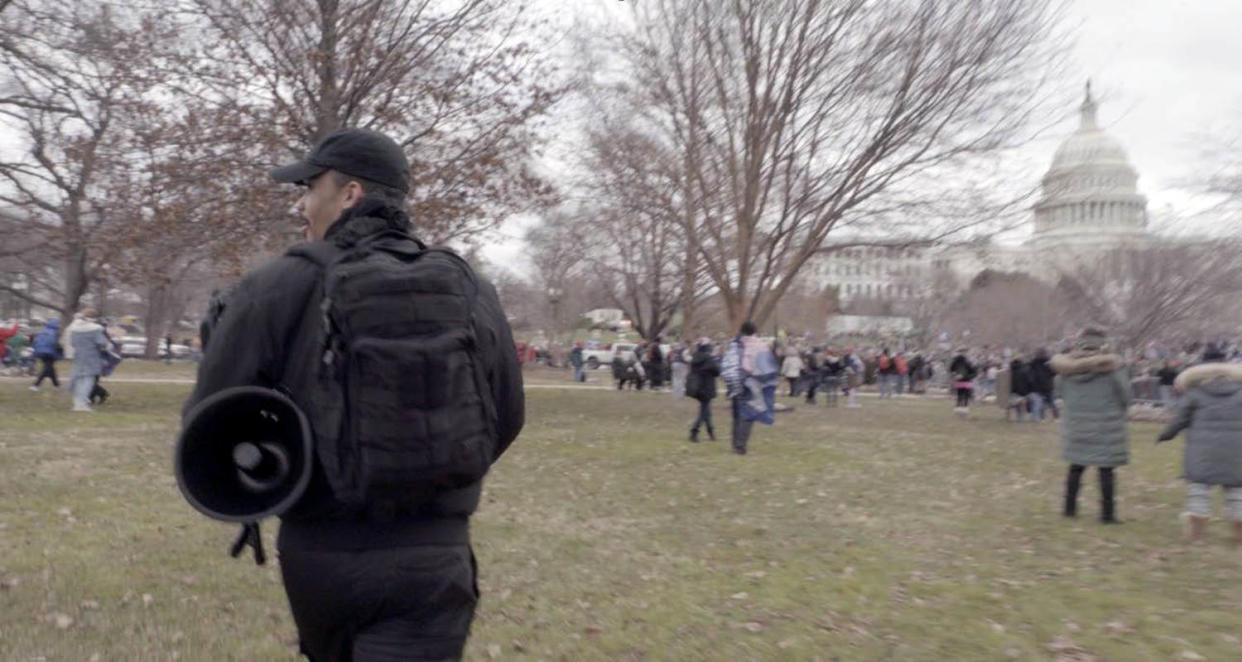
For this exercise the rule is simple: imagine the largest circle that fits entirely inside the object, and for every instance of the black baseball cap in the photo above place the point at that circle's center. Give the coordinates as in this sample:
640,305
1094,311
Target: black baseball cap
358,152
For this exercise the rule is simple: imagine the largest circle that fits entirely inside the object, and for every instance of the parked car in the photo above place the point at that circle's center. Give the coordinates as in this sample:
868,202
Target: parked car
597,358
136,347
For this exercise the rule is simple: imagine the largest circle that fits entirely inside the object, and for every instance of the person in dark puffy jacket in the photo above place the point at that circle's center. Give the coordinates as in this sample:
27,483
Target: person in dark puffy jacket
701,385
1210,412
963,373
1019,388
1041,379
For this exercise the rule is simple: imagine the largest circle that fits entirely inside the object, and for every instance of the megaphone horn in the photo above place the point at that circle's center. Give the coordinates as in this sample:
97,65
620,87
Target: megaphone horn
244,453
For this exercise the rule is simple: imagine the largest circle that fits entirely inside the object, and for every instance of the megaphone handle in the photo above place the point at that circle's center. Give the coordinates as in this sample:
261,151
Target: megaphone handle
250,535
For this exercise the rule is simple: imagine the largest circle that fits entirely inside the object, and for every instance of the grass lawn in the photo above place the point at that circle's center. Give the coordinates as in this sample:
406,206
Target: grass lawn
891,532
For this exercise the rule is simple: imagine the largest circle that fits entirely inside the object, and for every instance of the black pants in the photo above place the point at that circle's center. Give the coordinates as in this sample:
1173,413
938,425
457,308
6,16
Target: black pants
704,418
812,385
407,603
98,392
49,370
741,427
963,397
1108,492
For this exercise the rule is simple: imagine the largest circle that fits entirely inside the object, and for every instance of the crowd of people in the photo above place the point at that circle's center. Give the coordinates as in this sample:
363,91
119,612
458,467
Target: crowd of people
1085,386
85,342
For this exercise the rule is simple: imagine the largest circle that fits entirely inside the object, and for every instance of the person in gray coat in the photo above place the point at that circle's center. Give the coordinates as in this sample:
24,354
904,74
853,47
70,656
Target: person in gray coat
87,346
1095,387
1211,413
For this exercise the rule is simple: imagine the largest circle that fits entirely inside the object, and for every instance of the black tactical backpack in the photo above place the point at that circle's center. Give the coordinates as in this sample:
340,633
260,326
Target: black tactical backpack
399,400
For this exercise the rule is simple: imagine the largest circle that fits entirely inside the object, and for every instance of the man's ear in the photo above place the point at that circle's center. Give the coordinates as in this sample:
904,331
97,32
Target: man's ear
353,193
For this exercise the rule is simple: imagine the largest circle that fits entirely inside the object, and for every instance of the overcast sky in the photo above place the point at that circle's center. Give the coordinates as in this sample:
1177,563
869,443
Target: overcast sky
1167,73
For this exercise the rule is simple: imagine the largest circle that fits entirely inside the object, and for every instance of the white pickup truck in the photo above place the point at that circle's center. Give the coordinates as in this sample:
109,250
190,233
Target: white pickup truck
600,357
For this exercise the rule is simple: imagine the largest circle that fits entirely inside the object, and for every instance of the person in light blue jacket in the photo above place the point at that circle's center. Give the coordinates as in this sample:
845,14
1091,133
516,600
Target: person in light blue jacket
88,347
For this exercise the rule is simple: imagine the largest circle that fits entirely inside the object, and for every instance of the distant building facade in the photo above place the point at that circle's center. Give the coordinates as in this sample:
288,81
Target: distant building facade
1089,202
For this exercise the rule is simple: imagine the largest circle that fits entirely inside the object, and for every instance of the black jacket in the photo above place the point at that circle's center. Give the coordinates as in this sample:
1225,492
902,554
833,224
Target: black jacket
1019,379
962,369
1041,376
259,339
704,369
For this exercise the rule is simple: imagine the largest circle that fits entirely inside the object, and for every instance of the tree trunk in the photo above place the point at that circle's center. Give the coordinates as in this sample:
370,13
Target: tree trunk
154,319
327,118
76,282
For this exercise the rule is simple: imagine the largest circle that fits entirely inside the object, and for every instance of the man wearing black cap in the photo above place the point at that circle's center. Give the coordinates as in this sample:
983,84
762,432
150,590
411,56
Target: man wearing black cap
392,580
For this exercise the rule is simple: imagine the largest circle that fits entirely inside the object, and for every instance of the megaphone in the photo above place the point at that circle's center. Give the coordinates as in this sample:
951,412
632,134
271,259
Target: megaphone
244,453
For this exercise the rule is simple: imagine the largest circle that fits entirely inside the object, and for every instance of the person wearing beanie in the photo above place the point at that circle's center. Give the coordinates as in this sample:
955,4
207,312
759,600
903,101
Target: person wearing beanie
1210,411
1095,389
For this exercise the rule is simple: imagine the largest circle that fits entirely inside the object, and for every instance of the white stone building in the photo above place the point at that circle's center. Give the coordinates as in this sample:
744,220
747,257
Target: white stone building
1089,202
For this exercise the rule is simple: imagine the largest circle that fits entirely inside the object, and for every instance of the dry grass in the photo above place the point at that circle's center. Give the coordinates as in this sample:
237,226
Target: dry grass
894,531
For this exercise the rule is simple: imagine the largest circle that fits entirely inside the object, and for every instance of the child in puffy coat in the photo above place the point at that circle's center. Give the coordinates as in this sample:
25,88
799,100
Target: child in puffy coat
1210,411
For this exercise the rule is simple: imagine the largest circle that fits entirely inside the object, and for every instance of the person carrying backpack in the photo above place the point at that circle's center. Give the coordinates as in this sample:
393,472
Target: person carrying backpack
750,373
403,362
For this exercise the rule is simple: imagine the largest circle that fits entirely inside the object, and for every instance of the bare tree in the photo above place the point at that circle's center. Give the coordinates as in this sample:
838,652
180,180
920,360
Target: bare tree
1007,310
73,78
798,118
635,229
1162,292
458,84
558,251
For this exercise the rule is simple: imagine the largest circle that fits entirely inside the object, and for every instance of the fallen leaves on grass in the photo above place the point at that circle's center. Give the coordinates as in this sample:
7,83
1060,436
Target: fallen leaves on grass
59,620
1118,627
1067,651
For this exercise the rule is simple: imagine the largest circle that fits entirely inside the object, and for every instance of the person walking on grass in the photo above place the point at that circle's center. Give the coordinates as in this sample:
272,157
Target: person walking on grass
1041,381
885,373
48,350
1095,389
1019,389
963,372
831,372
854,373
901,373
575,360
376,557
750,373
111,359
1210,411
812,373
1167,375
680,357
701,385
88,347
791,370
